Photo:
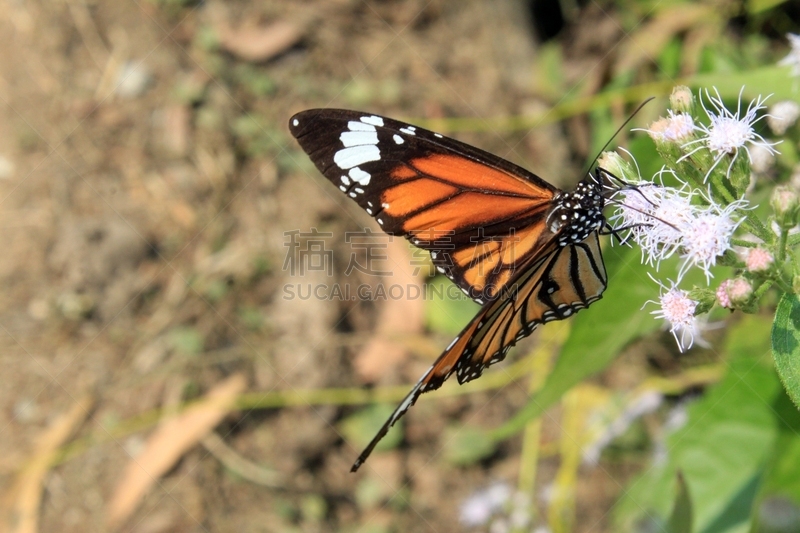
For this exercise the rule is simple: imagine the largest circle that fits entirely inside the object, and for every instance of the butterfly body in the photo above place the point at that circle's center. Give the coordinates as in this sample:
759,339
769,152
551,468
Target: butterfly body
526,251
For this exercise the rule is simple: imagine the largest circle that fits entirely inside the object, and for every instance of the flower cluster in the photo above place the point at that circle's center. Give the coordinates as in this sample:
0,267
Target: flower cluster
664,220
695,207
499,507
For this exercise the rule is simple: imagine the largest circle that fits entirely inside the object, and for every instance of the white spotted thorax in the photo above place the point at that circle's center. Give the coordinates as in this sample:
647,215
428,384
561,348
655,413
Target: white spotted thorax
575,215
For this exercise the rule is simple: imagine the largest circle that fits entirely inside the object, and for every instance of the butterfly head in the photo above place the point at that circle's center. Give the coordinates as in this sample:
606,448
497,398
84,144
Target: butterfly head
575,215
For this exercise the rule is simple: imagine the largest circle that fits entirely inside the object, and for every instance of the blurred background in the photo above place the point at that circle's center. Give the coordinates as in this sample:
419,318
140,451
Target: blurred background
162,231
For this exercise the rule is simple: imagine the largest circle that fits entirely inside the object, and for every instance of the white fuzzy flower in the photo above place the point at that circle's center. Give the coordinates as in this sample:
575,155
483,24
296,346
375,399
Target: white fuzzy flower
782,116
654,216
728,132
479,508
793,59
708,235
640,405
677,309
762,159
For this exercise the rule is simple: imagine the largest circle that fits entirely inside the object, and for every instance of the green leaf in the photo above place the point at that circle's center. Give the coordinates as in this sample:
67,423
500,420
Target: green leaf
773,80
681,519
448,310
757,6
467,445
786,344
720,450
598,333
186,340
778,507
361,427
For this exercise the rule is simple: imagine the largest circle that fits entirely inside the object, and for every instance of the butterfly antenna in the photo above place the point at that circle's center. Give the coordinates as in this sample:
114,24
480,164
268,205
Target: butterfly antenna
635,111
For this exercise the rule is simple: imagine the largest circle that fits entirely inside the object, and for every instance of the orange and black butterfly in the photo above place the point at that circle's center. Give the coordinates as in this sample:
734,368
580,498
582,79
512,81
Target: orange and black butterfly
525,250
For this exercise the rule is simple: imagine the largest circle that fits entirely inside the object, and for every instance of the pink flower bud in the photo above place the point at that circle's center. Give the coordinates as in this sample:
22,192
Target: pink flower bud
681,99
758,260
739,291
722,294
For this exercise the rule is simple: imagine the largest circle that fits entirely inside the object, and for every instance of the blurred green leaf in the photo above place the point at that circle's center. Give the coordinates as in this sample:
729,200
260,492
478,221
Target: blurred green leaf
757,6
548,76
778,507
670,59
186,340
216,290
465,445
360,427
680,520
786,344
749,338
448,310
370,492
773,80
254,80
251,317
206,38
720,451
313,508
598,333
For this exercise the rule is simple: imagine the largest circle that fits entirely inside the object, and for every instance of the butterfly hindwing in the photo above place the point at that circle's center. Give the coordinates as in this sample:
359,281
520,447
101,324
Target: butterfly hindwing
479,215
562,282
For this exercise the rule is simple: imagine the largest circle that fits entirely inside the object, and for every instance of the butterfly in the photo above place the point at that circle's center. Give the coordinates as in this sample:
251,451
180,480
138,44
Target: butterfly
528,252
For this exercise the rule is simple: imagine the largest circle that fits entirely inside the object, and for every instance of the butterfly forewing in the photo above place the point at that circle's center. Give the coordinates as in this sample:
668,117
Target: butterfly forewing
479,215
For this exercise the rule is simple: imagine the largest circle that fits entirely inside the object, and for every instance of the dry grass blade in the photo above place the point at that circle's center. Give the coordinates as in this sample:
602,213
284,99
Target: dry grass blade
168,444
259,43
238,464
25,495
650,39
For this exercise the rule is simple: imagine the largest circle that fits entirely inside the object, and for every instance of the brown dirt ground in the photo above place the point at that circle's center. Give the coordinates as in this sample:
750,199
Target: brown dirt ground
143,231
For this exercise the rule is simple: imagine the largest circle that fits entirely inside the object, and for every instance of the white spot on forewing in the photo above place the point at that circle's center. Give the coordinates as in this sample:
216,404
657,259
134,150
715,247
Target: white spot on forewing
452,343
369,211
377,121
356,155
359,190
352,195
358,138
407,131
359,126
397,139
360,177
437,135
343,188
433,255
380,221
412,128
345,180
295,123
385,206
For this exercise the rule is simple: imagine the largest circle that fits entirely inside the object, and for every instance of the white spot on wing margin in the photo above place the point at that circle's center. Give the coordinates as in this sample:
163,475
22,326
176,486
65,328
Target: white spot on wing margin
374,120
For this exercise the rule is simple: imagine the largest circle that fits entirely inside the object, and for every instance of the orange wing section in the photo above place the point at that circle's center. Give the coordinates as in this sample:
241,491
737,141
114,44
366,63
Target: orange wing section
469,174
492,219
467,209
489,265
